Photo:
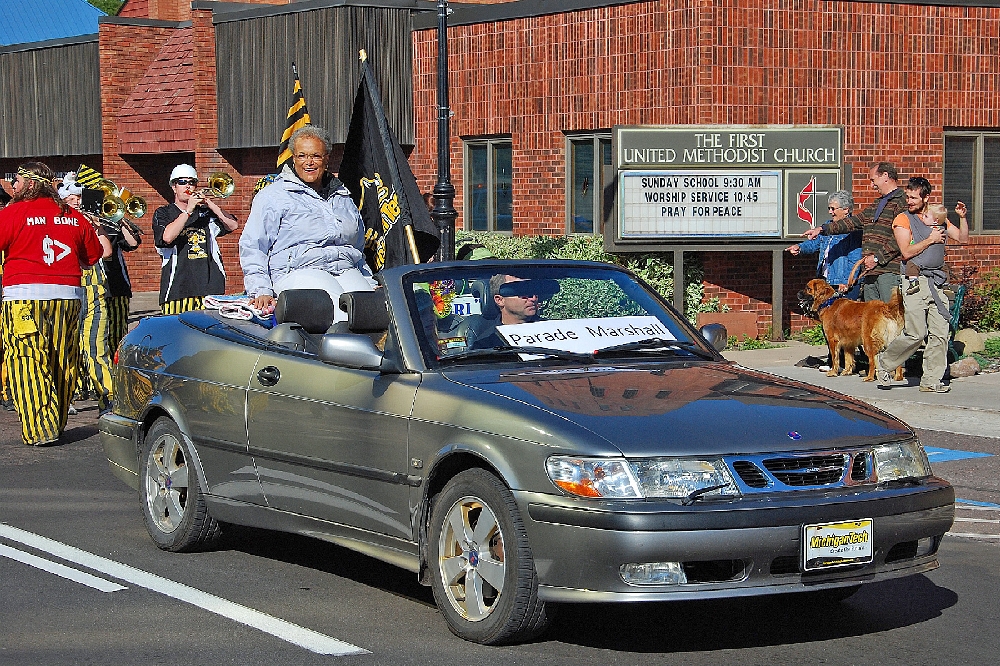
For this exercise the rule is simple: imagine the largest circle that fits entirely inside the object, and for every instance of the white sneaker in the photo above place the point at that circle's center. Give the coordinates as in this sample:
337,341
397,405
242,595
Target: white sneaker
883,376
72,410
824,368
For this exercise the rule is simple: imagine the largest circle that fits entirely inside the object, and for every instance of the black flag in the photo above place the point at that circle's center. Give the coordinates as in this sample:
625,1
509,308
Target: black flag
376,172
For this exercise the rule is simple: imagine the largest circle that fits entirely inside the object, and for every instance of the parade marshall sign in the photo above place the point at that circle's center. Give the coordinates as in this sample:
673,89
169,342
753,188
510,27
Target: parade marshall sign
584,336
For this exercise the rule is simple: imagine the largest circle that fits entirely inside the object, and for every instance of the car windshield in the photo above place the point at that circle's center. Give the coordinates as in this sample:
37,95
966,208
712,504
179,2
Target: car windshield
528,312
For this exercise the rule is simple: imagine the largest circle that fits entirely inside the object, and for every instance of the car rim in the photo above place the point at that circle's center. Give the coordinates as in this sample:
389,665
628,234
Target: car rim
471,559
166,483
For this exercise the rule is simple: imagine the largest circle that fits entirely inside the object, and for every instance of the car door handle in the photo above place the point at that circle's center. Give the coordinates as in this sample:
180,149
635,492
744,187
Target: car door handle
268,376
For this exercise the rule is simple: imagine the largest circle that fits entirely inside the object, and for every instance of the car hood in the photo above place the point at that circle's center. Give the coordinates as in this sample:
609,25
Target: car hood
691,409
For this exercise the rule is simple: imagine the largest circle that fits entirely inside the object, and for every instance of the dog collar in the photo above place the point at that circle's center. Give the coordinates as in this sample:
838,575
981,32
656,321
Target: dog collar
828,302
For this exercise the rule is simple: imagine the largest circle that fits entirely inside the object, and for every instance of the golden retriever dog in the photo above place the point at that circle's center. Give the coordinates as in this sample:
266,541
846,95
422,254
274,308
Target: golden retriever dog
851,324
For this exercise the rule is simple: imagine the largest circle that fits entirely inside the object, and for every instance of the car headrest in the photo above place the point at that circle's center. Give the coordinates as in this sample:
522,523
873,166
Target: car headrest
312,309
481,290
367,311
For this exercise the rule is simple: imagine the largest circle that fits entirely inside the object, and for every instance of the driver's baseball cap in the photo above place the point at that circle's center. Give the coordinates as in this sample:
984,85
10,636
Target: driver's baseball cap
183,171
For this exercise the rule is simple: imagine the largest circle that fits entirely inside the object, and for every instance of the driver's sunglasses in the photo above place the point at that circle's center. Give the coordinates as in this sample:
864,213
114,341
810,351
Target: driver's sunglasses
186,181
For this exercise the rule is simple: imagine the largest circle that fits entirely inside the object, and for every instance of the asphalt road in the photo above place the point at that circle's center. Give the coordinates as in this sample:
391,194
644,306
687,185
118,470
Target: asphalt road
67,495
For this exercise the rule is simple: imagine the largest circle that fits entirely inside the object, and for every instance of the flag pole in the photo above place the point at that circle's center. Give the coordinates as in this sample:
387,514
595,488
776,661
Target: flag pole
390,150
444,212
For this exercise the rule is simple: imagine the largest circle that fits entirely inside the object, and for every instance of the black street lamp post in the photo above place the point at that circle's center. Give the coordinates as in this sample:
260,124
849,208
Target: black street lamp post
444,212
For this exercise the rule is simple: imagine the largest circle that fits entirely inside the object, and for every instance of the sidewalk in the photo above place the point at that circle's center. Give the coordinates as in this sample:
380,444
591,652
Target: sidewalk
971,408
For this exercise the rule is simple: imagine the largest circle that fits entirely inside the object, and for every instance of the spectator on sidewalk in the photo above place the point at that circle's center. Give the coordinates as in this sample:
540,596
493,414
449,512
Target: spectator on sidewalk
837,253
922,233
879,248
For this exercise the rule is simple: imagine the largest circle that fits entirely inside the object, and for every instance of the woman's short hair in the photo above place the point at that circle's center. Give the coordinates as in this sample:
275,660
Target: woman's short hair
313,131
841,199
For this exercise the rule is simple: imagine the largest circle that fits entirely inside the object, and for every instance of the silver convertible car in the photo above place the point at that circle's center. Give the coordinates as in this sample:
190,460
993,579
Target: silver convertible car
519,434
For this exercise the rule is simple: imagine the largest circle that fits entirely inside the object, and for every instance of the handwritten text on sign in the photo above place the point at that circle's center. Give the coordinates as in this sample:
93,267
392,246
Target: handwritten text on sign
584,335
699,203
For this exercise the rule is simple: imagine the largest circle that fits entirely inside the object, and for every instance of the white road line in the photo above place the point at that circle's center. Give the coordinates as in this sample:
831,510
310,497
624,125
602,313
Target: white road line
286,631
973,507
70,573
977,520
973,535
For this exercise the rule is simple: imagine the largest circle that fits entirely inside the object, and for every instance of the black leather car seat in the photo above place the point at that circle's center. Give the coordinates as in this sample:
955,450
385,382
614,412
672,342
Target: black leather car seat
479,327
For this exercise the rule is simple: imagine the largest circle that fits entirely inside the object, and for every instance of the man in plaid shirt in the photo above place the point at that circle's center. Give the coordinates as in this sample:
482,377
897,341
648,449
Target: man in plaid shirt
881,253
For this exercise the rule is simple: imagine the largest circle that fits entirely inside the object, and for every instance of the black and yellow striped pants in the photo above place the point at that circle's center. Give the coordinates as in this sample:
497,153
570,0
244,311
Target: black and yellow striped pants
95,350
117,307
183,305
41,348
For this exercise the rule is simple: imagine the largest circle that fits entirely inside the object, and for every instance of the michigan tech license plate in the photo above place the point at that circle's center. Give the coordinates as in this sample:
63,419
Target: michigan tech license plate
837,544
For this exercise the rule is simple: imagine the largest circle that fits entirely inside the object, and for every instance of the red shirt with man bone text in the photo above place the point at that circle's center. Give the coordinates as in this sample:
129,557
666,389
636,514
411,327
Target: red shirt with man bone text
45,245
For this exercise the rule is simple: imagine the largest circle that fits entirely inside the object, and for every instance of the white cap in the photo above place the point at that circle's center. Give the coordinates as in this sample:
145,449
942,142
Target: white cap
183,171
69,186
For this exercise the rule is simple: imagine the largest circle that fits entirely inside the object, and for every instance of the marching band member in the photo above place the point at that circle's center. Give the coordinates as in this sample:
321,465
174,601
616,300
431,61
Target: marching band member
46,243
186,235
96,317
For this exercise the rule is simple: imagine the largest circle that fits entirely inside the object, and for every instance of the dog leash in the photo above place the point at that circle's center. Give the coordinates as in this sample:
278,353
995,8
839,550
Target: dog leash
855,276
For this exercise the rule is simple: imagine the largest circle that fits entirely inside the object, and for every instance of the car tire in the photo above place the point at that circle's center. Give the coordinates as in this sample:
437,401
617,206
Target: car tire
491,556
176,515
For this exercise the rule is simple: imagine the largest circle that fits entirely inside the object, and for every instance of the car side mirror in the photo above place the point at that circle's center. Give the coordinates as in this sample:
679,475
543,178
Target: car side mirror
716,335
354,351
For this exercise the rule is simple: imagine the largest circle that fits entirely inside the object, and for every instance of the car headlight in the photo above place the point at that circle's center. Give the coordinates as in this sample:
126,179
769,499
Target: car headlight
682,478
593,477
901,460
616,478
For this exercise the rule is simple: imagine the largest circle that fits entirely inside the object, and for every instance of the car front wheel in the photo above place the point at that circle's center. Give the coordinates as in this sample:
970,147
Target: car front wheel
175,511
484,578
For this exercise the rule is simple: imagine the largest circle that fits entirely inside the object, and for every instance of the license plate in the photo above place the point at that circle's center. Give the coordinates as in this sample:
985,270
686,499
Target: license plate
831,545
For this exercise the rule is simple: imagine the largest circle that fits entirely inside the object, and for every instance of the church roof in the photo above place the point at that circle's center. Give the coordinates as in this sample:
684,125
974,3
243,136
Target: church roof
40,20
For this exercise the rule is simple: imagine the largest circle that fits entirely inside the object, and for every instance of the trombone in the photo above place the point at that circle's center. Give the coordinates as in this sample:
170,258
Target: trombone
220,185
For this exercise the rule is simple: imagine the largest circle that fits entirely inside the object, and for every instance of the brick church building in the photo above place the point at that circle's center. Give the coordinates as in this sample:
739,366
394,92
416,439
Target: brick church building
537,90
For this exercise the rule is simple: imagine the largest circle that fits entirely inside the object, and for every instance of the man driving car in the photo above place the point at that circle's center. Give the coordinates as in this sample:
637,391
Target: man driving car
516,305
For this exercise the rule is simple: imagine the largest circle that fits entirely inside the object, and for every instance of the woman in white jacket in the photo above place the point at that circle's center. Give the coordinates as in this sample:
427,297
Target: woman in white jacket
305,219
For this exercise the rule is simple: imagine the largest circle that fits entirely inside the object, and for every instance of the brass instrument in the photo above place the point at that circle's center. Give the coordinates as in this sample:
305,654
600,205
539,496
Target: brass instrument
220,186
119,202
112,209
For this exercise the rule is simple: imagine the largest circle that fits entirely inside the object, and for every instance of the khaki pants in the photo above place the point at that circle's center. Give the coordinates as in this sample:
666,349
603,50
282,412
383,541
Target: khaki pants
921,320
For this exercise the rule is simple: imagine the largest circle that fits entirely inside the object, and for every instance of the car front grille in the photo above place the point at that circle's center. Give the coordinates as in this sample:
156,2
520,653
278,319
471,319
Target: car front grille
750,473
808,470
800,471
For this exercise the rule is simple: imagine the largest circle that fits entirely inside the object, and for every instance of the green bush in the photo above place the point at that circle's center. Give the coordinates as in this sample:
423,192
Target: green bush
656,268
981,307
992,346
813,335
